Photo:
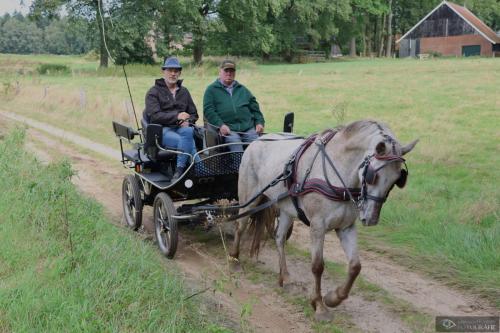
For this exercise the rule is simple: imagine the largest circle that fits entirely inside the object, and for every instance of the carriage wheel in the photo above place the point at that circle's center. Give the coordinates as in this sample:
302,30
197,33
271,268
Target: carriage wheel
165,225
132,202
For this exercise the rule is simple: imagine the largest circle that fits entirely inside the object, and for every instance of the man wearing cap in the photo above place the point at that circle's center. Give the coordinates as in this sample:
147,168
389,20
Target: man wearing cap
231,107
169,104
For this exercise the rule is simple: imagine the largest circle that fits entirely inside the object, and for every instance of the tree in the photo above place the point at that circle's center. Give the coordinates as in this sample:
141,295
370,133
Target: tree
486,10
313,23
388,50
19,35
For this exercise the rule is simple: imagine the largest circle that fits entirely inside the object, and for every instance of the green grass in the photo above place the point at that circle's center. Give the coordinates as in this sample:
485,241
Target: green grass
446,219
64,268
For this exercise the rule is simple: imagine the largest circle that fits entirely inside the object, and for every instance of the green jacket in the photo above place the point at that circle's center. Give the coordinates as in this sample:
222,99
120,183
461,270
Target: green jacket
240,111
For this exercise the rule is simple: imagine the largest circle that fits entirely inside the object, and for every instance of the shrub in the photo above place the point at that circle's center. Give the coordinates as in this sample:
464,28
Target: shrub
47,69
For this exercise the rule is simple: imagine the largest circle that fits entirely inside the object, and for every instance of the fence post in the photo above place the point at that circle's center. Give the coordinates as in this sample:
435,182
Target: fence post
83,99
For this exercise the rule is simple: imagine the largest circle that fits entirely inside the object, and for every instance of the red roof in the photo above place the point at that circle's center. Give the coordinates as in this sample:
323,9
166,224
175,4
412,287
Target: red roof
474,21
467,15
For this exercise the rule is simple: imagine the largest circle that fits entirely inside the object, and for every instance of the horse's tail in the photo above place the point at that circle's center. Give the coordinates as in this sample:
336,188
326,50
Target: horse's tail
259,223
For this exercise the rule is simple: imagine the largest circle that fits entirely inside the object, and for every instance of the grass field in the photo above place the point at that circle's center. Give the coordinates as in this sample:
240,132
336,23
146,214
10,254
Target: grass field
445,222
64,268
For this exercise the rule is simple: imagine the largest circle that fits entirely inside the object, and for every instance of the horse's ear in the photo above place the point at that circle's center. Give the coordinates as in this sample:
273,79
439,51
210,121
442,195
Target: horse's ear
406,149
380,148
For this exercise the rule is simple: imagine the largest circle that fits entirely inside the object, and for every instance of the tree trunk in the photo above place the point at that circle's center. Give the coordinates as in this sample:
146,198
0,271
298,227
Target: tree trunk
352,46
368,37
381,36
103,53
388,49
363,38
197,50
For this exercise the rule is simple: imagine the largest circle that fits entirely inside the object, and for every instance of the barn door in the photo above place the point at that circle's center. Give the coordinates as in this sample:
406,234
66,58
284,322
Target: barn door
413,47
471,50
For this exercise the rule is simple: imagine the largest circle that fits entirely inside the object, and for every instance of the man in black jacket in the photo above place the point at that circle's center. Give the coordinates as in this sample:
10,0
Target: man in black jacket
169,104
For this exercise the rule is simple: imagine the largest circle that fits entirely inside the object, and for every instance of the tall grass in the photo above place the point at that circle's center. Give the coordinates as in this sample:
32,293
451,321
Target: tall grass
64,268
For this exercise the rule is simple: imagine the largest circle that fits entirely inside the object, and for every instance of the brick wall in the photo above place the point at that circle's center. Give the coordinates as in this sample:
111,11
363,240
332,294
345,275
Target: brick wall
453,45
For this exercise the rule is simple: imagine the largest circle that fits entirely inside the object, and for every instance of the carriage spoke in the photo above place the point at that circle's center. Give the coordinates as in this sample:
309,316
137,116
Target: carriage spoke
162,220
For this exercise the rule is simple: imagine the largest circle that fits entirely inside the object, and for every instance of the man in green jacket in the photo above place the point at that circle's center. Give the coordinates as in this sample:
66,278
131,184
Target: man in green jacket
231,107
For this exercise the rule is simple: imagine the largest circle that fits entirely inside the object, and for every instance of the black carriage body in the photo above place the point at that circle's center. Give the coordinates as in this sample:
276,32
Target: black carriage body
214,177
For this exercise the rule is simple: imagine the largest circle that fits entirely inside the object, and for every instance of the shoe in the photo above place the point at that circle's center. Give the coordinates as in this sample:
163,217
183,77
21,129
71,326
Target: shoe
177,174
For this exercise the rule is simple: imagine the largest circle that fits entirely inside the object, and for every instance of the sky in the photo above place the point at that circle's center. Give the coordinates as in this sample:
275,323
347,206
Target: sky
9,6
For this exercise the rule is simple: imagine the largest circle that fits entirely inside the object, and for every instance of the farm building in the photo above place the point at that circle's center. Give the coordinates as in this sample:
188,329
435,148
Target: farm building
450,30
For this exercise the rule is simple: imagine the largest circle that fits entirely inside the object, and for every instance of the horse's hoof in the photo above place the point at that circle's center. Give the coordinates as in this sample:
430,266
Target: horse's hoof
332,299
323,315
283,279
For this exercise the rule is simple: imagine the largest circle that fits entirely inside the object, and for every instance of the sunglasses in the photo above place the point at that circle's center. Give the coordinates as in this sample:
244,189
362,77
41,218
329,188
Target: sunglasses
229,70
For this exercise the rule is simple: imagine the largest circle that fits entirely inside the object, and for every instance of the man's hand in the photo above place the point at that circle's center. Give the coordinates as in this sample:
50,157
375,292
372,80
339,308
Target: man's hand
183,117
224,130
259,128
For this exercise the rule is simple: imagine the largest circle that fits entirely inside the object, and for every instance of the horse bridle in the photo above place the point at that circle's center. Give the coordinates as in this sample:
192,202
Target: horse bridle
369,176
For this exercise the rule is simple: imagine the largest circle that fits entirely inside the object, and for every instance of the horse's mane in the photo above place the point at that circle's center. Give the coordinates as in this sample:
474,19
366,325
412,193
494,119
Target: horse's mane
362,130
358,127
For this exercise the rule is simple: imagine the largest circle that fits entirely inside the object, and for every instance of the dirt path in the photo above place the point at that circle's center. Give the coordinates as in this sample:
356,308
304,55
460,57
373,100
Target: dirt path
270,311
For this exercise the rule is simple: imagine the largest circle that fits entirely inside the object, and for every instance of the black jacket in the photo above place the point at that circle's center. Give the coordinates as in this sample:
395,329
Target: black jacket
162,108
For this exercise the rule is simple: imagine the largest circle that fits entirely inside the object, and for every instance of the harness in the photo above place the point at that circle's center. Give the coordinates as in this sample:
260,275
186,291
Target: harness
297,188
324,187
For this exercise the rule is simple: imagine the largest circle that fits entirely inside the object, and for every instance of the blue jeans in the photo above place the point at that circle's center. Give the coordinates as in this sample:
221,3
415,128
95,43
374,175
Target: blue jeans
247,136
180,138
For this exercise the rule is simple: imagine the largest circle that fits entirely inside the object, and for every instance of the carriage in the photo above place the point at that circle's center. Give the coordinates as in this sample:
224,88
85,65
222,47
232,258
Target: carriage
206,190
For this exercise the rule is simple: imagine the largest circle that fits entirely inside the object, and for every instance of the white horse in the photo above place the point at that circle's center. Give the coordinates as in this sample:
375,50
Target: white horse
363,156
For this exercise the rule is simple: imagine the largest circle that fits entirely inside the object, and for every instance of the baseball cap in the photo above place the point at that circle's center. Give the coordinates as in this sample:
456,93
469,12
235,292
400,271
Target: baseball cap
171,62
228,64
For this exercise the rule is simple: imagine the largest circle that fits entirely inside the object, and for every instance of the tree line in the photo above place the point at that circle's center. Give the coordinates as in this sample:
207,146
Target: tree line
21,35
258,28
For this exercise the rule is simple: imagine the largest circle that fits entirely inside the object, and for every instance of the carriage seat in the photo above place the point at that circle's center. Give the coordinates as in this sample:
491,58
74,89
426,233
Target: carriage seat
152,133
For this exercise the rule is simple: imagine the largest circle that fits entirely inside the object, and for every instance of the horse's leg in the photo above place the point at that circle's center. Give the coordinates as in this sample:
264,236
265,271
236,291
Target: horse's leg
284,224
317,240
348,238
235,250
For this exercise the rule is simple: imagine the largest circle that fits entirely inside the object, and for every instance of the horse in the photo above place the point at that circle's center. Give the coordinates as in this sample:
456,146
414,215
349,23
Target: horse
327,180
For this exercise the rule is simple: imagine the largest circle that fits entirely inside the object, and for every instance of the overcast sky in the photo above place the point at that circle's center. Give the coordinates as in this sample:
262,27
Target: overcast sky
9,6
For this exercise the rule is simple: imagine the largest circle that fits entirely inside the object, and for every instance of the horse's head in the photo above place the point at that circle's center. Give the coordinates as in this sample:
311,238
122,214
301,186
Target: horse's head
378,173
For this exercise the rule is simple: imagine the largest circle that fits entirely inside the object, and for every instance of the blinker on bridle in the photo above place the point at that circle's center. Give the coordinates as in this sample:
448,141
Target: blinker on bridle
370,175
